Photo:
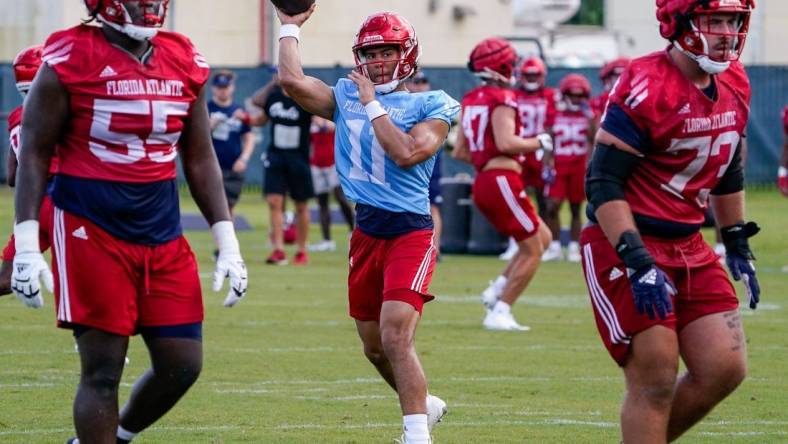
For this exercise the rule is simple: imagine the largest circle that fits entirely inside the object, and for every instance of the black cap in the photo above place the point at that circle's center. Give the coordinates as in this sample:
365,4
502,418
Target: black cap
223,79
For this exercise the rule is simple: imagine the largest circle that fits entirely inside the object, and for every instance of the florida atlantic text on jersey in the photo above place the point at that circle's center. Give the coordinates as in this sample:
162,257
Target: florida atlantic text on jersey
117,153
367,175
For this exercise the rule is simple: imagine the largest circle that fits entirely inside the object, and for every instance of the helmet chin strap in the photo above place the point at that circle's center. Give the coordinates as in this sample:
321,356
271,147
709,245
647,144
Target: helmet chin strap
139,33
704,62
532,86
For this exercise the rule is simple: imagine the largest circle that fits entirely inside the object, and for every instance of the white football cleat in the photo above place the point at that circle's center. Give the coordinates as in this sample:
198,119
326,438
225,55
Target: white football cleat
490,296
573,253
511,250
500,321
436,408
552,254
402,440
324,245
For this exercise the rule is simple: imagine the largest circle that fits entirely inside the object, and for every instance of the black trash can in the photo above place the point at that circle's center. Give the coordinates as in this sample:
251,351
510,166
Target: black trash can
456,213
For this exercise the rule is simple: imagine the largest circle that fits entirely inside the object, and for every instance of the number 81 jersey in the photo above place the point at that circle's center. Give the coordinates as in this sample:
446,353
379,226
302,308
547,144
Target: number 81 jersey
126,116
688,139
367,175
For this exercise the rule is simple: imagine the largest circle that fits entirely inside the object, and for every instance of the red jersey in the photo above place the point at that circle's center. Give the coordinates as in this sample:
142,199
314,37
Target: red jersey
322,147
125,117
785,120
536,111
15,133
570,137
477,109
15,129
599,103
689,139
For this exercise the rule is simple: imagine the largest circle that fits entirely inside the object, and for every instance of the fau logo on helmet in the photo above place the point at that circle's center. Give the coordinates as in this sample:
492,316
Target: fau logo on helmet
26,66
679,22
388,29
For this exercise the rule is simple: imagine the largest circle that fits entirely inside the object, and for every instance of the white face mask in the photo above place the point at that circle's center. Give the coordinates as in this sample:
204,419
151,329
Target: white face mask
139,33
704,62
388,87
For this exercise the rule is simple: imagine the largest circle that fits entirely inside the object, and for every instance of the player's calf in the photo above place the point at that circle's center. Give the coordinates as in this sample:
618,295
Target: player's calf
5,277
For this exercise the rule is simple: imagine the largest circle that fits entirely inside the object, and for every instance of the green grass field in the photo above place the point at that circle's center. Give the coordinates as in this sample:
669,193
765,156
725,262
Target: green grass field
285,366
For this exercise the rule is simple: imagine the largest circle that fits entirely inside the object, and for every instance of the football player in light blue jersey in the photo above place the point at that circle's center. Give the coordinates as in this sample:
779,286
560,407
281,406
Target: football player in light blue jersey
386,140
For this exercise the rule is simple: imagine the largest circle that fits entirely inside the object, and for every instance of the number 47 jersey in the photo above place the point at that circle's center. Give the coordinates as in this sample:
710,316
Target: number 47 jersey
687,138
126,116
367,175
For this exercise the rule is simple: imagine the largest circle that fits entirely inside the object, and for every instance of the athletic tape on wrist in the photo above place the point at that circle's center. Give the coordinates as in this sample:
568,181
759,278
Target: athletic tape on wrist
290,30
26,236
374,110
224,236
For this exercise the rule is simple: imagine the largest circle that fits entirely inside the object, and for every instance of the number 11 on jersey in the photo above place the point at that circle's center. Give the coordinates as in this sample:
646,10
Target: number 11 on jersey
377,156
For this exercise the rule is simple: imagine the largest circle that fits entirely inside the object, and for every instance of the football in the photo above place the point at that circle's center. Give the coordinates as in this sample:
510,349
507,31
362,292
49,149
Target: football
292,7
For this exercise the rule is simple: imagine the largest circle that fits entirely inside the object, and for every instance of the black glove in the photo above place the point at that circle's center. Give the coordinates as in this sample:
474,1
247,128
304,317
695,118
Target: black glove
740,259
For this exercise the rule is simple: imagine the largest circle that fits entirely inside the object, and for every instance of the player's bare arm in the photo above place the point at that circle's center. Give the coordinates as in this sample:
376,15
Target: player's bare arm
503,124
10,164
200,164
405,149
461,150
259,117
45,114
311,93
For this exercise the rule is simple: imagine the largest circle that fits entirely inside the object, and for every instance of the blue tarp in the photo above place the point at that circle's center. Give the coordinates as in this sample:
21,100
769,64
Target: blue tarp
765,134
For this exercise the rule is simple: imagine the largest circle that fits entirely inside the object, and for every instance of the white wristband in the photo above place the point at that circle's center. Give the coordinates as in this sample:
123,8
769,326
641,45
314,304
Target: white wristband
782,172
26,236
374,110
224,236
290,30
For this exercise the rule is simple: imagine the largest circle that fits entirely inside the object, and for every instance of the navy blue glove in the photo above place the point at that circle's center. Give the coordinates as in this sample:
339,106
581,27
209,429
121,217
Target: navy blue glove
651,287
548,175
740,259
651,290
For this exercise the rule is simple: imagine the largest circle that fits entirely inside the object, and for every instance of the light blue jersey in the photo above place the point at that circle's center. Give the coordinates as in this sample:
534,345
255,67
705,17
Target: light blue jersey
366,173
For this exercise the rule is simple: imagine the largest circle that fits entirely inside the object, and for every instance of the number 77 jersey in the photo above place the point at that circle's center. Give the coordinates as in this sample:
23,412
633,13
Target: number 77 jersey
125,116
366,173
687,138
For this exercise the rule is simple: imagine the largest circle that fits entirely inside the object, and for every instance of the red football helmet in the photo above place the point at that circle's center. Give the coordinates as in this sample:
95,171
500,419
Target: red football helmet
614,67
26,66
493,54
679,22
576,85
388,29
533,68
115,14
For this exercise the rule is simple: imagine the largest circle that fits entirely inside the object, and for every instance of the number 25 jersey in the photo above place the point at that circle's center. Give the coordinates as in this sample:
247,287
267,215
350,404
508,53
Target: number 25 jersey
367,174
688,140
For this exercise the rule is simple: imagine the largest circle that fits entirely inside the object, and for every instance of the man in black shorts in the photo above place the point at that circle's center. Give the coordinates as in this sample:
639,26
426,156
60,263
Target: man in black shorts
286,166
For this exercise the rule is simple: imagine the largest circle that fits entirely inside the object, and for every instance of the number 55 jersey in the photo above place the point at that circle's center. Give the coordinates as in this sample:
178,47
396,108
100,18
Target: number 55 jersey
367,175
688,136
117,153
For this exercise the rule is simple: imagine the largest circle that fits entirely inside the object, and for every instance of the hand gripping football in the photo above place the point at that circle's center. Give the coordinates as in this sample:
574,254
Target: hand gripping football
292,7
